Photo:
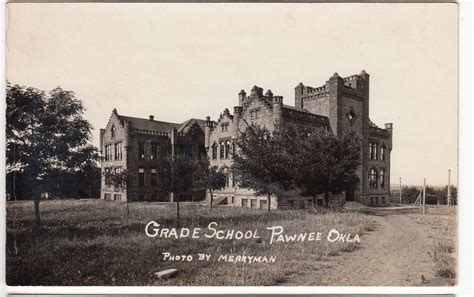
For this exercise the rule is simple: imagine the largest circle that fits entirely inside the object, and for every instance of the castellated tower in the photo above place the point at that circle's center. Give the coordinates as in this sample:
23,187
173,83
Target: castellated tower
345,102
340,105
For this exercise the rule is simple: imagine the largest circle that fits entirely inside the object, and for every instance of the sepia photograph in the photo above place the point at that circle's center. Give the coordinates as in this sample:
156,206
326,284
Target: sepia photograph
231,144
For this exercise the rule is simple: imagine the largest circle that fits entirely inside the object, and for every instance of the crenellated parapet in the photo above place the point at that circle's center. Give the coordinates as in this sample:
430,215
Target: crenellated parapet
375,131
294,115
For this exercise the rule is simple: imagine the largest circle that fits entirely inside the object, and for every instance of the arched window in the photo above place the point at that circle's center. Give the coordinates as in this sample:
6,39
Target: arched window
227,149
382,152
221,150
112,132
376,149
214,151
382,178
372,178
371,150
225,170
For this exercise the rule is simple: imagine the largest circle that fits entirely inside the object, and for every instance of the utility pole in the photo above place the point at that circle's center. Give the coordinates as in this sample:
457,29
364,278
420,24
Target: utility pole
400,190
424,195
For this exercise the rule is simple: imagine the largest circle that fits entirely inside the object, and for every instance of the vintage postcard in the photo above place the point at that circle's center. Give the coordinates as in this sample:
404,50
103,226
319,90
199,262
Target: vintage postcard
231,144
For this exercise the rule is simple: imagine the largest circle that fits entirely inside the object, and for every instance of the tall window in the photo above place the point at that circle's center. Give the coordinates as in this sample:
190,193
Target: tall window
376,149
107,177
221,150
153,176
112,132
225,170
382,178
382,152
141,177
154,151
225,126
141,151
214,151
227,149
371,150
108,152
118,151
372,178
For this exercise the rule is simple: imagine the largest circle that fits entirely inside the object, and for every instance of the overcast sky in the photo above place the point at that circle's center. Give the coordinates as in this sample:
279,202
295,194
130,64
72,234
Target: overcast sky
190,60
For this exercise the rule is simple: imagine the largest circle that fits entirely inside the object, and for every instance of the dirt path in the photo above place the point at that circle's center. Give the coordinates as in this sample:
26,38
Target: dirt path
395,254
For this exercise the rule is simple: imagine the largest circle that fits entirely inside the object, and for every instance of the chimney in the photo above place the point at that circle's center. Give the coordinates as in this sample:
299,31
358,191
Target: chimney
151,117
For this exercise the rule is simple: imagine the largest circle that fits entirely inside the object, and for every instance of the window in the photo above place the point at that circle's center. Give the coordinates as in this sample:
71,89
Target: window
153,177
254,114
245,202
225,126
108,196
186,150
225,170
214,151
221,150
118,151
141,197
382,178
117,197
108,152
382,152
141,151
253,203
372,178
107,177
227,149
371,150
141,177
112,132
376,149
154,151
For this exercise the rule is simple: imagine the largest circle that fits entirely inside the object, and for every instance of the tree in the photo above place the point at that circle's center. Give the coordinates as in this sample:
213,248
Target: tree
46,133
261,162
208,177
325,163
175,176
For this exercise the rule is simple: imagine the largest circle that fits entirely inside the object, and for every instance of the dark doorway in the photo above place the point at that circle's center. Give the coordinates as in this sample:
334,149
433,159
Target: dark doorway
350,195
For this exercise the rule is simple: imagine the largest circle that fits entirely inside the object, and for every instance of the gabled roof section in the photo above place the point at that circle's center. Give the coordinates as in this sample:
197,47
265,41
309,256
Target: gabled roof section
149,125
184,127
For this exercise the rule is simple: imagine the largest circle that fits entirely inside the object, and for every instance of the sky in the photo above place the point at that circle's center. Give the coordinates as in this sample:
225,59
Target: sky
178,61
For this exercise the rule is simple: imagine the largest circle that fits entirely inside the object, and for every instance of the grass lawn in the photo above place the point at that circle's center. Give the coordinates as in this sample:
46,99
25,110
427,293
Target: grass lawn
93,242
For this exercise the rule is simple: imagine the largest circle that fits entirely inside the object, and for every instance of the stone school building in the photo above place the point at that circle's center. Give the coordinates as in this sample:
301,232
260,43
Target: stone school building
339,105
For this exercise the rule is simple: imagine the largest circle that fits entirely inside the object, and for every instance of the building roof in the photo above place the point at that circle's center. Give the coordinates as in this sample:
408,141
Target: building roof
150,125
184,127
160,126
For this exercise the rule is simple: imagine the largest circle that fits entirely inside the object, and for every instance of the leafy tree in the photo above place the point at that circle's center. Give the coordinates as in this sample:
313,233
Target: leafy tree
262,162
46,133
208,177
175,175
325,163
